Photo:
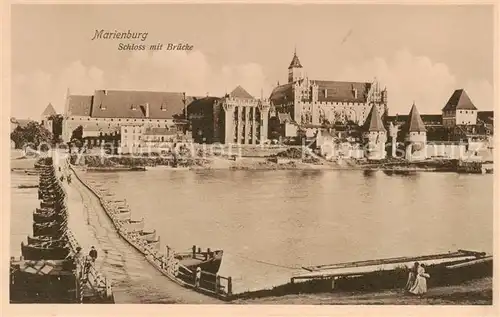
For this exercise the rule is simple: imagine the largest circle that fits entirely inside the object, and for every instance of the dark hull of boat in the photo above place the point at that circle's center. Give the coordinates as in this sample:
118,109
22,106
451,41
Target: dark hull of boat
211,265
115,169
53,230
42,239
48,217
30,252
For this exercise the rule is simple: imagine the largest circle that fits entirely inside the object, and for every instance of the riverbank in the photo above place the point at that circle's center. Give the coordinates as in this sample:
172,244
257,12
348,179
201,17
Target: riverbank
474,292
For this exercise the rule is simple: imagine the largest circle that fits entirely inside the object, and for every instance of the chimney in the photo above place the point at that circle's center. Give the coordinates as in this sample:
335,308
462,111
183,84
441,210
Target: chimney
355,91
147,109
326,93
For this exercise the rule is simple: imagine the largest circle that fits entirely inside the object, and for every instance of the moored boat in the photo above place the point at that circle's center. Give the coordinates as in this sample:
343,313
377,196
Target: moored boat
52,228
41,239
45,251
134,225
41,217
117,169
154,243
148,235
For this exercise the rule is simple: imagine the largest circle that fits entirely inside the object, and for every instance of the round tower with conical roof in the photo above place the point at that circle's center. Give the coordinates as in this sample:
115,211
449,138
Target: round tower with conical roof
374,135
415,136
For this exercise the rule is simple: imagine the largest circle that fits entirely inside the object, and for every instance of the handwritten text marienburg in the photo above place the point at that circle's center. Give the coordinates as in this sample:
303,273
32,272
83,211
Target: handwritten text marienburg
142,36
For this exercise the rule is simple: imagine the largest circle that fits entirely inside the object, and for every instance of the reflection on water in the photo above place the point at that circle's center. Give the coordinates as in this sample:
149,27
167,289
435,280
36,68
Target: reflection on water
295,218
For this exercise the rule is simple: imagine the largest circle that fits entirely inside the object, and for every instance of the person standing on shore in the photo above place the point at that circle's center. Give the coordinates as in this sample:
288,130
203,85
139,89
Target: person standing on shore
412,276
420,285
93,254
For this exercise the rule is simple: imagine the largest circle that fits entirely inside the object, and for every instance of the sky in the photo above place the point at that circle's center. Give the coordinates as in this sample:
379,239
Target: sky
420,53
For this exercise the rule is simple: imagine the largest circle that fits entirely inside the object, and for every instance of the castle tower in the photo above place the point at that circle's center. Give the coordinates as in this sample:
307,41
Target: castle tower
374,135
46,114
415,136
295,70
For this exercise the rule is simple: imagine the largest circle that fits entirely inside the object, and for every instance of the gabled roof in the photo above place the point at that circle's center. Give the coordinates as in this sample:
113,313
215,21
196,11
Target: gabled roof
49,110
137,104
342,91
459,100
373,121
79,105
295,62
239,92
415,123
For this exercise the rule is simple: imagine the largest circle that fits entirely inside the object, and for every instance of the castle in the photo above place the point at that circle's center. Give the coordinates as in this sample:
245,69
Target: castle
324,102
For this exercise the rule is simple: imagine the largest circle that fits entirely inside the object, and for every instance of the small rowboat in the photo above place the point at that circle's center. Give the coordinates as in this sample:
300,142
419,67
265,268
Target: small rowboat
154,243
134,225
148,235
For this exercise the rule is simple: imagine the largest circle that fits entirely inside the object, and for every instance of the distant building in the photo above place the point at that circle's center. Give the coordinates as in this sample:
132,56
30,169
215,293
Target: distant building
236,118
281,126
95,137
110,109
45,120
324,102
459,110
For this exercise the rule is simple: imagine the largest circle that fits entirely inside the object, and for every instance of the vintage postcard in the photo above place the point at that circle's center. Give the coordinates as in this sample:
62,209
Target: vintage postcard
281,154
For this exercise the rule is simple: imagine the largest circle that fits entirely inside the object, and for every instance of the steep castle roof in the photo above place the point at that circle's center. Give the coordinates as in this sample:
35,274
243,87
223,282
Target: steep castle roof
415,123
328,91
295,63
49,110
127,104
459,100
373,121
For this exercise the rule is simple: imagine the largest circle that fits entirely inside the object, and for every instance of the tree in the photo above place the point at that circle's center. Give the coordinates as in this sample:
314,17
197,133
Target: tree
77,134
33,133
57,121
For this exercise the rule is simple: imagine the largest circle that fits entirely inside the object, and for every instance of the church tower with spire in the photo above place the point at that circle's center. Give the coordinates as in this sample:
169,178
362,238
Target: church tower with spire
295,70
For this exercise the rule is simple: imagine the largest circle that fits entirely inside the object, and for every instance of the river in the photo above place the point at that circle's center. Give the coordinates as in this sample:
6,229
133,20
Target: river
269,223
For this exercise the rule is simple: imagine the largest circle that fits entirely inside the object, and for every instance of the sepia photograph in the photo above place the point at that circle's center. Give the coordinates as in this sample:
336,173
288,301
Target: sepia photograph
251,154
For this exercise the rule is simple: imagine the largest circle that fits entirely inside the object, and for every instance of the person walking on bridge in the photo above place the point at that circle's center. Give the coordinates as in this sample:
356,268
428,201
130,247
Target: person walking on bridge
93,253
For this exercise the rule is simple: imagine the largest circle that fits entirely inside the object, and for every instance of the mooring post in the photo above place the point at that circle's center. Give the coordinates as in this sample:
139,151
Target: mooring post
229,286
109,293
208,254
217,284
199,250
194,251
